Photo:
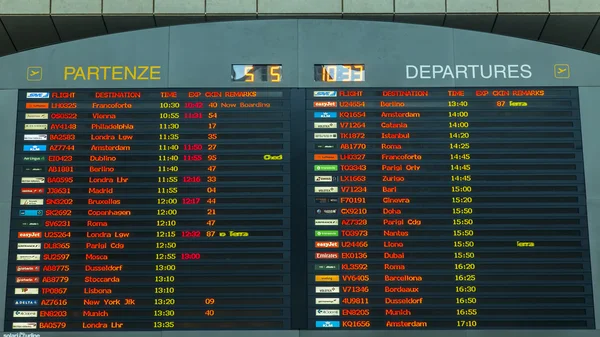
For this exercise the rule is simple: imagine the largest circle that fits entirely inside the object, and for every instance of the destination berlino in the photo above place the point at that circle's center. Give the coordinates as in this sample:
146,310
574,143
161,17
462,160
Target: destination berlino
468,71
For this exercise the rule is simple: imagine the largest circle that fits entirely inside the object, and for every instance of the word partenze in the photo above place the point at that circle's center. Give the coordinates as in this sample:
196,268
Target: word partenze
112,73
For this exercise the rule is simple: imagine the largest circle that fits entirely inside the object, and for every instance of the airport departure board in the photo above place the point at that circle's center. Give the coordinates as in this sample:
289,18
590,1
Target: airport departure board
311,209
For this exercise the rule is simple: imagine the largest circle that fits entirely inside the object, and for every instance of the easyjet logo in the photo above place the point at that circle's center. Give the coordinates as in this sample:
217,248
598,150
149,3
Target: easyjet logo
325,104
30,235
327,244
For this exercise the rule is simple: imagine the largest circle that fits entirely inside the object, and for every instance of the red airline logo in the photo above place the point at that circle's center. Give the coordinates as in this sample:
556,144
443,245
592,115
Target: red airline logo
327,244
325,104
30,235
28,269
327,256
26,190
28,279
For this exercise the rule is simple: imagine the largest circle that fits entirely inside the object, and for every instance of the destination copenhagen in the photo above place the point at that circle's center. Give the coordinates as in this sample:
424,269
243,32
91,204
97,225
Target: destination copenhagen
135,229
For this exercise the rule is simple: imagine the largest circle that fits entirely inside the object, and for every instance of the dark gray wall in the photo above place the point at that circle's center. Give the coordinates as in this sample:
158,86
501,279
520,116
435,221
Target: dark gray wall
201,56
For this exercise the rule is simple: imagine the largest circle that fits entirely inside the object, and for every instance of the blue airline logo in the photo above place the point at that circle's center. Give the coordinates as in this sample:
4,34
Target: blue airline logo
325,94
327,324
34,148
328,114
31,212
38,95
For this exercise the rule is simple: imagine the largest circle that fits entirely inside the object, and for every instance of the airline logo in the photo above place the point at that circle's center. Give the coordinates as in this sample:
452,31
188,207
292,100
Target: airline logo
327,324
38,95
327,168
331,125
325,114
324,93
327,267
26,302
325,136
30,224
322,200
27,190
322,300
29,246
327,312
27,291
36,116
29,235
33,180
34,148
31,212
325,179
326,222
325,104
28,269
25,313
327,244
327,256
24,325
325,146
326,211
326,189
322,156
28,257
35,137
34,158
33,169
327,278
327,233
36,126
36,105
27,279
327,290
31,202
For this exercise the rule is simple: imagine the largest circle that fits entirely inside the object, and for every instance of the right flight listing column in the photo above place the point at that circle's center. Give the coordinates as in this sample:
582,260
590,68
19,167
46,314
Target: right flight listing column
447,208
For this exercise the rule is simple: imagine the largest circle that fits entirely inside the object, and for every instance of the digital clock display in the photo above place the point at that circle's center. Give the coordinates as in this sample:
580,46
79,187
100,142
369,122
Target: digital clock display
339,72
254,73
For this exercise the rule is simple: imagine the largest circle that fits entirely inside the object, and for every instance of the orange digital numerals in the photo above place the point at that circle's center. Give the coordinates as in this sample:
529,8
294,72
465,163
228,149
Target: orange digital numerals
354,222
353,135
353,125
355,266
355,244
350,114
357,232
356,324
353,200
355,255
353,146
353,167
